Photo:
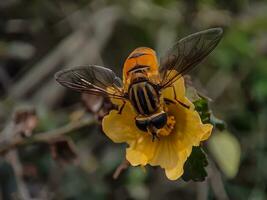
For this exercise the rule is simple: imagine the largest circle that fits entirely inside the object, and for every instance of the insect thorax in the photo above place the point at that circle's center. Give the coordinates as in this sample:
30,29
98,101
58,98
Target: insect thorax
144,97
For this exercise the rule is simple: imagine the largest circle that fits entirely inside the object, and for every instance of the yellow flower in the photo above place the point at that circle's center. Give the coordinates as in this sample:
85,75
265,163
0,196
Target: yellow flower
175,142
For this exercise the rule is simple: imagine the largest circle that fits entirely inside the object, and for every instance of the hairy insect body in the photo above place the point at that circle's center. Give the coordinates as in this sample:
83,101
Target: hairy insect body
143,92
144,98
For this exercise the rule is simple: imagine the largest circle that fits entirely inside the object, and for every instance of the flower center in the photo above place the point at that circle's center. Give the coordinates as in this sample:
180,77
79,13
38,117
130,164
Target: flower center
167,129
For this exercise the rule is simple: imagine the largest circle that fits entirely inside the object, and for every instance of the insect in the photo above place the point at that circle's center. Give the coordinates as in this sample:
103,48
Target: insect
144,77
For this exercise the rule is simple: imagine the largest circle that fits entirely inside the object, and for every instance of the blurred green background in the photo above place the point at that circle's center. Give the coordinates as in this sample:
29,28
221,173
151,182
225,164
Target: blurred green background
38,38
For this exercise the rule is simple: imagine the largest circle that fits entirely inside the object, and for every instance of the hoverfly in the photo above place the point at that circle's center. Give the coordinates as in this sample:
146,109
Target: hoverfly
144,78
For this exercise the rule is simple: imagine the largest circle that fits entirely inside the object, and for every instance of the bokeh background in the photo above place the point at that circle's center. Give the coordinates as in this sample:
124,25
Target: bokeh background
38,38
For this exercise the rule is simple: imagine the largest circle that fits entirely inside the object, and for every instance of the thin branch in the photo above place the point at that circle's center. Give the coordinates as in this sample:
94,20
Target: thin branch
6,145
202,190
65,50
216,182
88,52
4,78
123,166
13,158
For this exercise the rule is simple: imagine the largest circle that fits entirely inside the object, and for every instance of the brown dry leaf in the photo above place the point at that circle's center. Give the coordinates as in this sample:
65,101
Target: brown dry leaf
92,102
30,170
25,120
97,105
63,150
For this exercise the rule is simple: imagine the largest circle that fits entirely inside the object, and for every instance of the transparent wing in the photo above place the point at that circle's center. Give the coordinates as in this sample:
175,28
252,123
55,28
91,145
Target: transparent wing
92,79
187,53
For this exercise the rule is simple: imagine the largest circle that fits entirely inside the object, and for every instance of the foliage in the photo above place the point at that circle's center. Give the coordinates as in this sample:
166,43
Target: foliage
195,166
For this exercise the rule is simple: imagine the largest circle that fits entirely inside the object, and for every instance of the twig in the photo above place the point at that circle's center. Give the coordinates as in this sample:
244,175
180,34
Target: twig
124,165
6,145
66,49
88,52
216,182
216,90
202,190
13,159
4,78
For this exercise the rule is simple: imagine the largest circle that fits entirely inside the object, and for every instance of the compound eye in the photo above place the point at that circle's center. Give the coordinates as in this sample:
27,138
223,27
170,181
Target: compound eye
159,121
142,124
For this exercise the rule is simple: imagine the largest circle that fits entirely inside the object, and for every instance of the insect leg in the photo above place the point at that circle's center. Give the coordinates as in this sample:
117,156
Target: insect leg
122,106
151,130
154,135
169,101
175,97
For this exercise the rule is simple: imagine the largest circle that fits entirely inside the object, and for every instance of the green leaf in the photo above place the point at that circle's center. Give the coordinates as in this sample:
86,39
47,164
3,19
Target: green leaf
218,123
226,150
206,115
201,105
202,108
194,168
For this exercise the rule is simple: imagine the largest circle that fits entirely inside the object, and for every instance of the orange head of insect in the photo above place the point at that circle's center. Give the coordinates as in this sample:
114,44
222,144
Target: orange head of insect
142,60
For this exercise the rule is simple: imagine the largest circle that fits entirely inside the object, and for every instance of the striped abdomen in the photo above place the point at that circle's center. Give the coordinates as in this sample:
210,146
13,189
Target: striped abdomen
144,97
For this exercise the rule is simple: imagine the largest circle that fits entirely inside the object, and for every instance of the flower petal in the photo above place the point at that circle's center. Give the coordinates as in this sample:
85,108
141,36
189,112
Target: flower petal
189,130
121,127
207,128
142,150
178,170
136,157
179,89
166,154
163,152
